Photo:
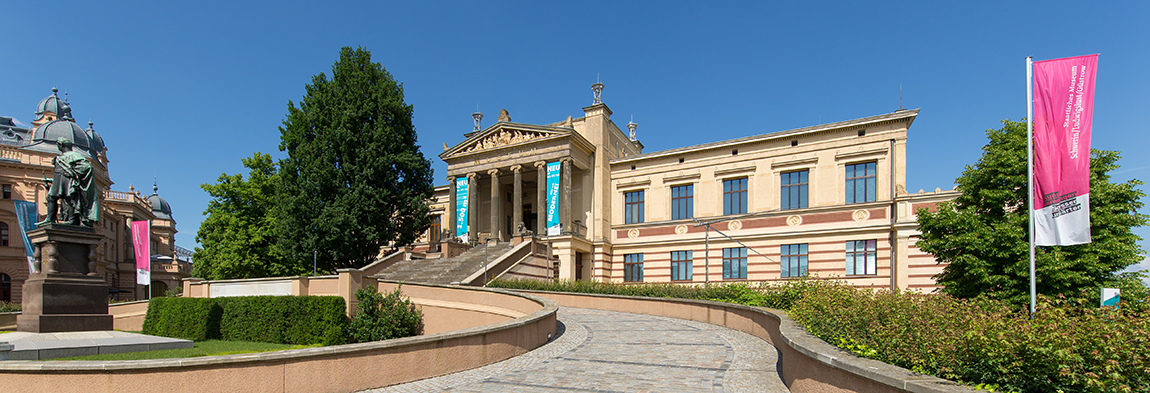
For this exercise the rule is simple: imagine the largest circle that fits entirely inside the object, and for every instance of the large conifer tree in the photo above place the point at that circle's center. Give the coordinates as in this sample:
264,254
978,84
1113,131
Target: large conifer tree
354,179
982,234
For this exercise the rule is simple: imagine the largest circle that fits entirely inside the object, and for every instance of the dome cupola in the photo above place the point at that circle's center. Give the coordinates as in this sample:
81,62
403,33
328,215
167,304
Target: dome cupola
96,141
45,136
160,207
54,105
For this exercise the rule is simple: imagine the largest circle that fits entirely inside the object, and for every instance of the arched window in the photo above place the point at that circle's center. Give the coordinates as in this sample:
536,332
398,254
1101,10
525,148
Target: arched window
5,288
3,234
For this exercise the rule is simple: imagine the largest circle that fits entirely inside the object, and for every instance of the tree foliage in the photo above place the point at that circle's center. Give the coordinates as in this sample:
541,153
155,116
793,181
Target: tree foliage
238,234
354,179
982,234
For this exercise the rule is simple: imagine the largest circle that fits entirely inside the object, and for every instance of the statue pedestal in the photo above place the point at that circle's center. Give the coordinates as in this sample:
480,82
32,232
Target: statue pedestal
64,294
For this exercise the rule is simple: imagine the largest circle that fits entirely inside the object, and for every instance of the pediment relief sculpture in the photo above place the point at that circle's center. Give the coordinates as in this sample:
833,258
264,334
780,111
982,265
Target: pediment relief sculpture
503,138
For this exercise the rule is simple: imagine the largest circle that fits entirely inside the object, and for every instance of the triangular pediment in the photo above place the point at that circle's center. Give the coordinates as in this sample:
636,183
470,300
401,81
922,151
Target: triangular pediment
499,136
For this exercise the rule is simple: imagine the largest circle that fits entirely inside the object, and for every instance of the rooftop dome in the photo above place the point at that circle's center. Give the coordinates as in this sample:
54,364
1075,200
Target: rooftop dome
96,141
53,104
44,138
160,207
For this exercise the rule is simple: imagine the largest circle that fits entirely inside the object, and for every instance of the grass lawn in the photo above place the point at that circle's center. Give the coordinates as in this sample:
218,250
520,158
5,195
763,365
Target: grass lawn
6,331
201,348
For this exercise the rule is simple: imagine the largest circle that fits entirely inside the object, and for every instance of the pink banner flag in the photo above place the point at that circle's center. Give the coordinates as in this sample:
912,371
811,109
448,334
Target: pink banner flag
140,236
1063,109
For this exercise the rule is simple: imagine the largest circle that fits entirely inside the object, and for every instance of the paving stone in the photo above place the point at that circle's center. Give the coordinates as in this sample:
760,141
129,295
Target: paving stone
604,351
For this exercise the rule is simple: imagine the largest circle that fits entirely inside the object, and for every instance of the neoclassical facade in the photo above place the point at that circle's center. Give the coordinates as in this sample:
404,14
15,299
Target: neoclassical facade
26,158
828,200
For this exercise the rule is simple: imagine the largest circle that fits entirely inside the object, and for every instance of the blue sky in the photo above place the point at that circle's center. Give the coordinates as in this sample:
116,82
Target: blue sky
181,91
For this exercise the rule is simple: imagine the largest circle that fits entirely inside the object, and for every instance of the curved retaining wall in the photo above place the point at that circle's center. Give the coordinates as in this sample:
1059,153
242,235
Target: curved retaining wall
341,368
806,363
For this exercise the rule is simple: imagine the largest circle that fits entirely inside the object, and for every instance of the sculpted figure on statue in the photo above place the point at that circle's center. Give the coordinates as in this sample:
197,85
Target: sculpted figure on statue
74,185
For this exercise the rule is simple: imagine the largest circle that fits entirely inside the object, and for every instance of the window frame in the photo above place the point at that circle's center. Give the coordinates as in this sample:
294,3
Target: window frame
868,181
868,254
795,182
632,267
730,194
735,263
5,287
794,257
633,202
7,191
682,206
682,264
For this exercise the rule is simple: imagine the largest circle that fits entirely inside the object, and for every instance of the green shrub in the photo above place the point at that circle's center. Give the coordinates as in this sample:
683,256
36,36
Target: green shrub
299,320
186,318
381,317
9,307
1068,346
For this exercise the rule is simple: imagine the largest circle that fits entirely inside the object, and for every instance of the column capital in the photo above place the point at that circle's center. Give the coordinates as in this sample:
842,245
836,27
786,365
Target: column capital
540,164
450,178
566,160
516,168
493,172
472,175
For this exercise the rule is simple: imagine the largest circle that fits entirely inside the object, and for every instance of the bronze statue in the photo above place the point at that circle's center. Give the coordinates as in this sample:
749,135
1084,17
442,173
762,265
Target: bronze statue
74,183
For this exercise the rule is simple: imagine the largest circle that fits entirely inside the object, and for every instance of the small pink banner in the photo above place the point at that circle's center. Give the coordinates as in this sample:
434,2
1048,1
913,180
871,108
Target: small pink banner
1063,110
141,232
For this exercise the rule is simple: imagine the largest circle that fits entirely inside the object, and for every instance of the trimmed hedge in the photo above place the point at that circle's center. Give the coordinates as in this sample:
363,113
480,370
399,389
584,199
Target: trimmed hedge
298,320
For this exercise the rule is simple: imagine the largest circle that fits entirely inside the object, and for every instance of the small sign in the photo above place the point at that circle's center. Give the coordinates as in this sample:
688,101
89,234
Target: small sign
1110,297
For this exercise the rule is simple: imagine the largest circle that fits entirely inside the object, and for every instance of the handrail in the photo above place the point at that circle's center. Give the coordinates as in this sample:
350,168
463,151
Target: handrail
503,263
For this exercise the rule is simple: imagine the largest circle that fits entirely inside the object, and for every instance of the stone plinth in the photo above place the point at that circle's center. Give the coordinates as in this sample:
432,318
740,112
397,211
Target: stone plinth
64,294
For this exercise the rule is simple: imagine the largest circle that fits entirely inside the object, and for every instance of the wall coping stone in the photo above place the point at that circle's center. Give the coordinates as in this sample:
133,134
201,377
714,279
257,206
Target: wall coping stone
550,307
796,336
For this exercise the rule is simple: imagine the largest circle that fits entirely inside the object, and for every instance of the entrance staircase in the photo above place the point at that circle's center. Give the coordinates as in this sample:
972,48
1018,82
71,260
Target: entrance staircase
443,270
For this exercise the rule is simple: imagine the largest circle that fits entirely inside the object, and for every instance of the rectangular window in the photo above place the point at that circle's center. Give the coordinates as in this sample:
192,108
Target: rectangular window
794,190
682,202
793,258
434,232
7,191
633,267
861,257
735,196
735,262
681,266
861,184
633,207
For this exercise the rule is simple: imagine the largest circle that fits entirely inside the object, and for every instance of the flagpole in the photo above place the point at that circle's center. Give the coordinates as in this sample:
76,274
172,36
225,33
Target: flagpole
1030,173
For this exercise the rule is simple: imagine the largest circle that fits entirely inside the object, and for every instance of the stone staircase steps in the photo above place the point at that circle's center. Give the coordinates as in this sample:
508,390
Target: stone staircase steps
444,270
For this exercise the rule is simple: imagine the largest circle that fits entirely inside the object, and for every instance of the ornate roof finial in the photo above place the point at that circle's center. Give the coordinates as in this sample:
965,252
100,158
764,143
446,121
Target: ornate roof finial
155,187
632,126
504,116
54,90
598,89
477,116
90,123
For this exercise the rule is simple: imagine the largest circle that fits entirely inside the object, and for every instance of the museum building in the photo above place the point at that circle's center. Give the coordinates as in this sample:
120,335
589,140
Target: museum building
26,158
828,200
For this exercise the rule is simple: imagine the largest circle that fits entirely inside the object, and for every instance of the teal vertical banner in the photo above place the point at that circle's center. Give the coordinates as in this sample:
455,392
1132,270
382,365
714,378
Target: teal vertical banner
553,171
26,216
461,207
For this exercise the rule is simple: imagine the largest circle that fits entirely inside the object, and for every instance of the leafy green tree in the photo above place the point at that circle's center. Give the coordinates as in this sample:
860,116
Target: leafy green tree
982,234
238,234
354,179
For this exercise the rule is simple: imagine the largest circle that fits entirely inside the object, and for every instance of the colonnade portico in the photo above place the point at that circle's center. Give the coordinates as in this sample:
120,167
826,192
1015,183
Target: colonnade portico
491,215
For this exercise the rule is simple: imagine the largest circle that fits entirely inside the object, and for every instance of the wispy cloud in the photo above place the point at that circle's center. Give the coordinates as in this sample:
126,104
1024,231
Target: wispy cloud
1130,169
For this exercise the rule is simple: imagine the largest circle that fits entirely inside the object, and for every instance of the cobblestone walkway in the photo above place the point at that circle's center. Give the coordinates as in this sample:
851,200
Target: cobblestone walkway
604,351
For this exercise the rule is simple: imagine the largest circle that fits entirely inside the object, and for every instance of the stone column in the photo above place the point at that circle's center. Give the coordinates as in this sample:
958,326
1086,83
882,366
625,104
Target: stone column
452,210
496,203
517,199
541,209
472,206
565,197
